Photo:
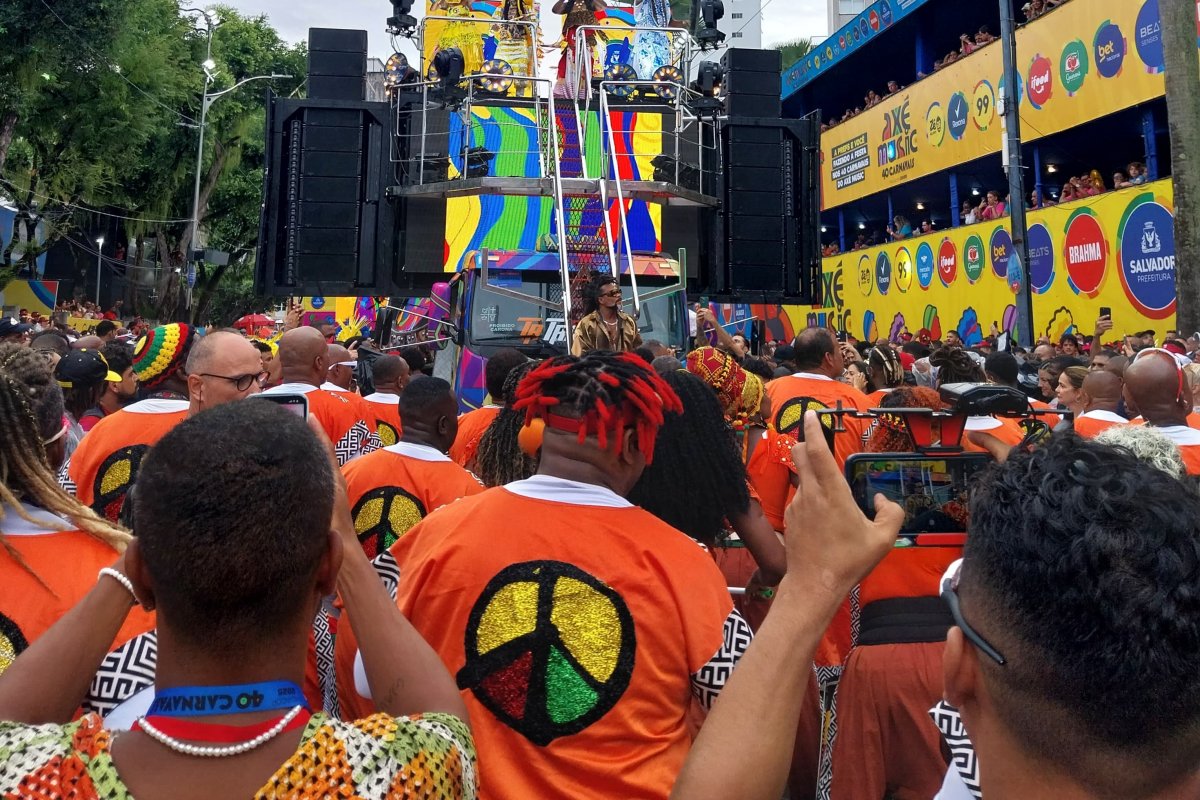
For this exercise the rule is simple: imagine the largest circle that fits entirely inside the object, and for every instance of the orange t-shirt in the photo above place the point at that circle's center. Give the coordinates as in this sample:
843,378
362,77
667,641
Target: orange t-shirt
770,469
386,408
67,562
791,396
574,637
471,427
1005,429
105,465
907,572
393,489
350,425
1091,424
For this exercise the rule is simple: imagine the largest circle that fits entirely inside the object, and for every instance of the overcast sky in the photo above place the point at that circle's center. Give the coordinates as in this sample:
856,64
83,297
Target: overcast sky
783,20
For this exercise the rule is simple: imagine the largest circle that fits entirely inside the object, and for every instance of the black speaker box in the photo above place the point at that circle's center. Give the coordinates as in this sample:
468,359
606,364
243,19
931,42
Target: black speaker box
337,63
326,228
754,228
746,59
336,87
757,278
738,104
337,39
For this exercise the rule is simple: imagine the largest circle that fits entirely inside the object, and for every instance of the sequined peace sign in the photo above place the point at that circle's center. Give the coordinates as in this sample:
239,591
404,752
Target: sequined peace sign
790,418
12,642
549,649
115,478
383,515
387,433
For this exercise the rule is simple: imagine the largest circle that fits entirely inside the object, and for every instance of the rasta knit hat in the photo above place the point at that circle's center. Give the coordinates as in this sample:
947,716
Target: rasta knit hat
162,352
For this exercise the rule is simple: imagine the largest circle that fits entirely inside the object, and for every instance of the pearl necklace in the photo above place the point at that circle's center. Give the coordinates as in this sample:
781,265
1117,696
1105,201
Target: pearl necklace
219,752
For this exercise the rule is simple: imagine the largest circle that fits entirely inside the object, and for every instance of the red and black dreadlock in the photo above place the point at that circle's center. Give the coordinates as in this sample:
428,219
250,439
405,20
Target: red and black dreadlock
600,394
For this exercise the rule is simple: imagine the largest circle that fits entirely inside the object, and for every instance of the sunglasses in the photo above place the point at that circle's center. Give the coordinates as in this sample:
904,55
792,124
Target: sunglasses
950,595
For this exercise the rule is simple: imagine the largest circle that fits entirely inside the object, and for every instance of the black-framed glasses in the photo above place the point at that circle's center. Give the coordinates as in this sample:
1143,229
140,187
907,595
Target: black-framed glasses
242,382
616,293
950,595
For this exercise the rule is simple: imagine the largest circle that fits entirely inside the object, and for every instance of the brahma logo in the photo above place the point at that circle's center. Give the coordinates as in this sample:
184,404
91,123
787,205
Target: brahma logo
1085,252
1041,81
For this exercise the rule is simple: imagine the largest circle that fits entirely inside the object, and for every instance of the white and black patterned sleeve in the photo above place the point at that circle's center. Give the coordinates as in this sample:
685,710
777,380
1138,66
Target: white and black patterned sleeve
709,680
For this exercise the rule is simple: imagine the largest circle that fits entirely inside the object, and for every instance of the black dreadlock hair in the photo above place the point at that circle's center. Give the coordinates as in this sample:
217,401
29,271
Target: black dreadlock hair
759,367
696,449
593,290
884,358
498,457
31,411
600,394
955,366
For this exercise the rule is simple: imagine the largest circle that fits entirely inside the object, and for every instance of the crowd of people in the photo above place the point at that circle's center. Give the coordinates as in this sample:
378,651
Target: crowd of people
298,571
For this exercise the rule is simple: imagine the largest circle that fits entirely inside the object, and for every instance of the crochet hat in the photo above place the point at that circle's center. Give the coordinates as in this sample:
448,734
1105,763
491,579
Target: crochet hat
739,392
162,352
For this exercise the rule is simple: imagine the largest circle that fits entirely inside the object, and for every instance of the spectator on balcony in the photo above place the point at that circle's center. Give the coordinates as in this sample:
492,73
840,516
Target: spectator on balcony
983,37
1137,173
903,229
969,214
991,208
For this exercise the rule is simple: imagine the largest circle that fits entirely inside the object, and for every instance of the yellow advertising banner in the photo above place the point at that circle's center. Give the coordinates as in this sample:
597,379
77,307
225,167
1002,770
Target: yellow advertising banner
1116,251
1084,60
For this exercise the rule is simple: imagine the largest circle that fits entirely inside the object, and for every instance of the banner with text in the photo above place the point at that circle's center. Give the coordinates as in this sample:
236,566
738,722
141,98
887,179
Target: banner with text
1116,250
1083,61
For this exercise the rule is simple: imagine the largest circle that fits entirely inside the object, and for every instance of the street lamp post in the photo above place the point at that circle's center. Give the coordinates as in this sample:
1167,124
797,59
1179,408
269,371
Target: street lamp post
99,267
205,104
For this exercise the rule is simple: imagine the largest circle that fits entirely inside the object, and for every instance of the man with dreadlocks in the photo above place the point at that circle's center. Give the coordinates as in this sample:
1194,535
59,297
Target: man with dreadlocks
579,626
53,545
104,467
394,488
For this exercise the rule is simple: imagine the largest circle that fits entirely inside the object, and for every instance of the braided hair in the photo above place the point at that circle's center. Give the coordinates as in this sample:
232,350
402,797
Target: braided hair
31,411
955,365
697,449
600,394
891,435
883,359
499,458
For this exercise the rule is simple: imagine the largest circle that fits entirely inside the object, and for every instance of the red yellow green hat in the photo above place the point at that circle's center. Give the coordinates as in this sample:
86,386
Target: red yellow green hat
162,352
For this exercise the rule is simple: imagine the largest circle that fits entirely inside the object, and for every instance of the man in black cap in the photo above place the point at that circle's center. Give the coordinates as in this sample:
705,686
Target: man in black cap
12,330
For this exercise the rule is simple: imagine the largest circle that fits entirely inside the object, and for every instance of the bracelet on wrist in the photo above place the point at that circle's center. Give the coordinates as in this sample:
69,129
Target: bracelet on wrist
121,579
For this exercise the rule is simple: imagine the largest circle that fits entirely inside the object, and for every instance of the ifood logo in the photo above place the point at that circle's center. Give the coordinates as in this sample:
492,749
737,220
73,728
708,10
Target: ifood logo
1041,81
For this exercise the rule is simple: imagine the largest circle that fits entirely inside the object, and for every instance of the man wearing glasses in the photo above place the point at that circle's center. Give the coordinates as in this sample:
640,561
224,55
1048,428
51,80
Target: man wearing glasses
1075,651
605,326
181,374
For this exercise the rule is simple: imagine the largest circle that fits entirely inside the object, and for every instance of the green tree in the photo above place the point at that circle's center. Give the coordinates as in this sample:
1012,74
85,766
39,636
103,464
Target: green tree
75,113
1183,121
794,50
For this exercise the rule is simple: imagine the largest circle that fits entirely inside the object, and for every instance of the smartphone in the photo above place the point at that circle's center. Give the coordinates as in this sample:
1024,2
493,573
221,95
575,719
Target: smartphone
933,491
295,403
1105,311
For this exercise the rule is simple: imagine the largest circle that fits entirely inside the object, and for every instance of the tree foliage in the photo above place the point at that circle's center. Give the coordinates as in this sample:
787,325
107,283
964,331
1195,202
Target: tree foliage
99,104
794,50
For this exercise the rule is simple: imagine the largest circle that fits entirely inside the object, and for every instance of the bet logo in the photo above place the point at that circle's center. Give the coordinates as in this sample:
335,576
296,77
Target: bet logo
383,515
115,478
12,642
549,649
